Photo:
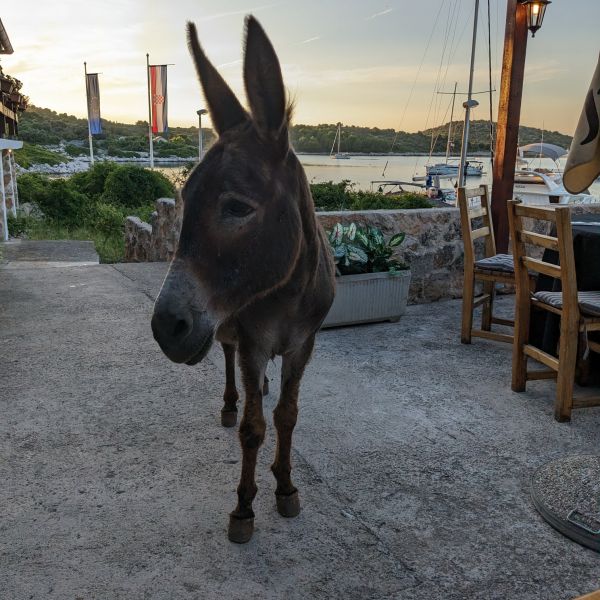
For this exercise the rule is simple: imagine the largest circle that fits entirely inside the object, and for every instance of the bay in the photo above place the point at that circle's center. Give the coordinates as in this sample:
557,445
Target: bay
362,170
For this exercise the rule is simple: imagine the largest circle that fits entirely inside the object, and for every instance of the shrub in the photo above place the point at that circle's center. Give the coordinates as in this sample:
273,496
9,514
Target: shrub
377,201
92,181
62,203
108,219
73,150
167,149
31,187
340,196
21,224
331,196
131,186
31,154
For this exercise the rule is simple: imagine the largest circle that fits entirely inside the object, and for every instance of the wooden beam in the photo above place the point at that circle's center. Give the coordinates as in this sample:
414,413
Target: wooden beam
509,113
8,113
492,335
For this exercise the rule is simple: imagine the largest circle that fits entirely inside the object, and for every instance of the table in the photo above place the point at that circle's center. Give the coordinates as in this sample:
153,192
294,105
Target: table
545,326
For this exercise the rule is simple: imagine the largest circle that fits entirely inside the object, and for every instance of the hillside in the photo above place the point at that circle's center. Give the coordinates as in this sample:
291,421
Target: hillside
46,127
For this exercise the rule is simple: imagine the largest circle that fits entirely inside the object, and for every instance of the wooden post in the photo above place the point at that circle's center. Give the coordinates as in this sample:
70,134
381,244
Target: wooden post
509,112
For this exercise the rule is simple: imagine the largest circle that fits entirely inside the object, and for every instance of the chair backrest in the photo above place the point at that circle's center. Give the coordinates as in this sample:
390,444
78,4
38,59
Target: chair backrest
524,240
468,212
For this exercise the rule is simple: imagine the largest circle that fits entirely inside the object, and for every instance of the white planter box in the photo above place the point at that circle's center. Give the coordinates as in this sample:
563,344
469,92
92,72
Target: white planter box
368,298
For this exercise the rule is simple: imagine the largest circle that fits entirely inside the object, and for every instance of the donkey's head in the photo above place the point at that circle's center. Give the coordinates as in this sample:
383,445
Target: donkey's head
241,230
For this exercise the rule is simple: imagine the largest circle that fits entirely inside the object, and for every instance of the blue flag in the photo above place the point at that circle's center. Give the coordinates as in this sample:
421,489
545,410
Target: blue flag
92,89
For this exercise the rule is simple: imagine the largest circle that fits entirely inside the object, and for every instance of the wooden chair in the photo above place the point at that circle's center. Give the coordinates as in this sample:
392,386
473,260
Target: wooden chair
579,311
592,596
494,268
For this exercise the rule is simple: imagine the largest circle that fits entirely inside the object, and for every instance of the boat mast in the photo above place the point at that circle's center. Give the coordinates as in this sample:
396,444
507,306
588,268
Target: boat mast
333,145
450,125
339,136
469,104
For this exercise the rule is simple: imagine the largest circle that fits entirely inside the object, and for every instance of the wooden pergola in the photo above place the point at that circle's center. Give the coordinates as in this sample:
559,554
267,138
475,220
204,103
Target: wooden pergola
9,107
9,120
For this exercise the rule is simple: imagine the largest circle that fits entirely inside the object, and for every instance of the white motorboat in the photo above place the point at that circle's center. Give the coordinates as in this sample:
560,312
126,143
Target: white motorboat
542,186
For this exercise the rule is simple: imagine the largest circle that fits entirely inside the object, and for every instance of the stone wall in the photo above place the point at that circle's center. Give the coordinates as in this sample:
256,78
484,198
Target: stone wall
433,246
11,199
156,241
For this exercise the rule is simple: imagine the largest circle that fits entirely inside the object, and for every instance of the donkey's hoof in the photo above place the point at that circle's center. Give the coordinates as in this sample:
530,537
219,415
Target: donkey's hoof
288,506
240,530
228,418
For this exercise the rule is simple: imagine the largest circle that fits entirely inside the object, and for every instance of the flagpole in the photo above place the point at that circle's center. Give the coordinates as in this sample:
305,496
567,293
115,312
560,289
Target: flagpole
150,113
88,107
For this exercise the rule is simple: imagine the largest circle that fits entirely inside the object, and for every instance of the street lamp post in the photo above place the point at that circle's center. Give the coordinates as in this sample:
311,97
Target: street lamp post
200,112
521,15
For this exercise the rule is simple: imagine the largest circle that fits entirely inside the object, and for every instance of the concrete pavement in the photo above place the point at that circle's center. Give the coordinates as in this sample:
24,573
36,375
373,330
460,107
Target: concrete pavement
412,456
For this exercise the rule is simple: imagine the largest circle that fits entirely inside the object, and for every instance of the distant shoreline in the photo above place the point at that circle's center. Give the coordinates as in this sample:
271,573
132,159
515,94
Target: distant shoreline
82,163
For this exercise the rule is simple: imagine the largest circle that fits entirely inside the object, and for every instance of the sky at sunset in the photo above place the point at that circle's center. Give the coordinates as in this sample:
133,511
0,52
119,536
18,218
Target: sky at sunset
343,60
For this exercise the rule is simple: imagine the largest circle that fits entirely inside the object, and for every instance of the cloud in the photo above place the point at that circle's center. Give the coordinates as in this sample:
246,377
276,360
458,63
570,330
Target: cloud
543,71
231,63
384,74
244,11
380,14
312,39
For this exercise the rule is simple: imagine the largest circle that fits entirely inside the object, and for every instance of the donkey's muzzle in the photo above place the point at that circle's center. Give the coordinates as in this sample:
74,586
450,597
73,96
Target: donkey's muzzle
185,336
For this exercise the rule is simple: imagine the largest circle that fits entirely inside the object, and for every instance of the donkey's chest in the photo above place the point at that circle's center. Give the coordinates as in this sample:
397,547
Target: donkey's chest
274,328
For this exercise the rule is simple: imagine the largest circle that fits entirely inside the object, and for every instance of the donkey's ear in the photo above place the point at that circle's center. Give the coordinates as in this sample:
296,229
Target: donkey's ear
225,109
263,81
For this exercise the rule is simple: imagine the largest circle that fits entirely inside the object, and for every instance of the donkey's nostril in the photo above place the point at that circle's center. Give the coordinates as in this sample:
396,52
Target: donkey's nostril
171,327
182,328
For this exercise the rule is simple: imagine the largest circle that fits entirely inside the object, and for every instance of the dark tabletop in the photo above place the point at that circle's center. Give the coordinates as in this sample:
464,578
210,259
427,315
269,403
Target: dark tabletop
545,327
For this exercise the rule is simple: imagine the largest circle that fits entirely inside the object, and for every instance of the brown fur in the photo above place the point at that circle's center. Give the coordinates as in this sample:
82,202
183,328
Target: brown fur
253,268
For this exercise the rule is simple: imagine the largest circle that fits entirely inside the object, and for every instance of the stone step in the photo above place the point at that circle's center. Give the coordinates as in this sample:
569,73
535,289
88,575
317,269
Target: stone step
47,253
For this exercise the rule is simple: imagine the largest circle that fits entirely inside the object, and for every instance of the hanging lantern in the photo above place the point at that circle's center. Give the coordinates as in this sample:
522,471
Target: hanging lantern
535,13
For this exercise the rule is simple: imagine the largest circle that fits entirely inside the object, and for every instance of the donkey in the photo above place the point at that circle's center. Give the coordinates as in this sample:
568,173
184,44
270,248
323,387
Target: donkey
252,269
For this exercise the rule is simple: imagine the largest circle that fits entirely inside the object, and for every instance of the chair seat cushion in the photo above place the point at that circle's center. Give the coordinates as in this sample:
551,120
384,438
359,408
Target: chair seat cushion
499,262
589,302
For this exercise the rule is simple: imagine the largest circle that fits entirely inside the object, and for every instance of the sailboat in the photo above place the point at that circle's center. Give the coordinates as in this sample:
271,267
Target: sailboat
338,137
449,168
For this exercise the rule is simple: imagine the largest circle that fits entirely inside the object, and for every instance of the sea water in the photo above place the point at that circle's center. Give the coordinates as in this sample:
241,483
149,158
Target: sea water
362,170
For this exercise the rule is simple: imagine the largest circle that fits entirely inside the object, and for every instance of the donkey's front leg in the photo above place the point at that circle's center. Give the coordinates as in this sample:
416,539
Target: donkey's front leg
230,397
284,417
252,434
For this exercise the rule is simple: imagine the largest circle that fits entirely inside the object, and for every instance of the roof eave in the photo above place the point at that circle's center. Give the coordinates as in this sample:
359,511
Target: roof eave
5,45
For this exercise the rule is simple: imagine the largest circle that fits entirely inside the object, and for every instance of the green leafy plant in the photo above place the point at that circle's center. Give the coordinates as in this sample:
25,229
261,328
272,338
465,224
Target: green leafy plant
332,196
364,250
329,196
378,201
131,186
92,181
108,219
21,224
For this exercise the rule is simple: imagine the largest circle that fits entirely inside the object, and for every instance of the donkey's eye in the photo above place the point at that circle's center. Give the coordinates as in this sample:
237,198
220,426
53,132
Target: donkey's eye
238,209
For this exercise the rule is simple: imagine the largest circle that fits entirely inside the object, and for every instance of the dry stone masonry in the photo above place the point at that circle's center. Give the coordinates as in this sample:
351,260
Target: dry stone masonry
433,247
157,241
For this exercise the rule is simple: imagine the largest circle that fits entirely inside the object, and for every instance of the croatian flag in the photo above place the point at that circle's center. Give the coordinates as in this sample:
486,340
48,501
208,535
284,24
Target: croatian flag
92,89
158,97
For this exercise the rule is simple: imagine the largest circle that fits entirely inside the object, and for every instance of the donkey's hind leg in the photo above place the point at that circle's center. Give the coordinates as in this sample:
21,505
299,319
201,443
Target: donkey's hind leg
284,417
231,396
